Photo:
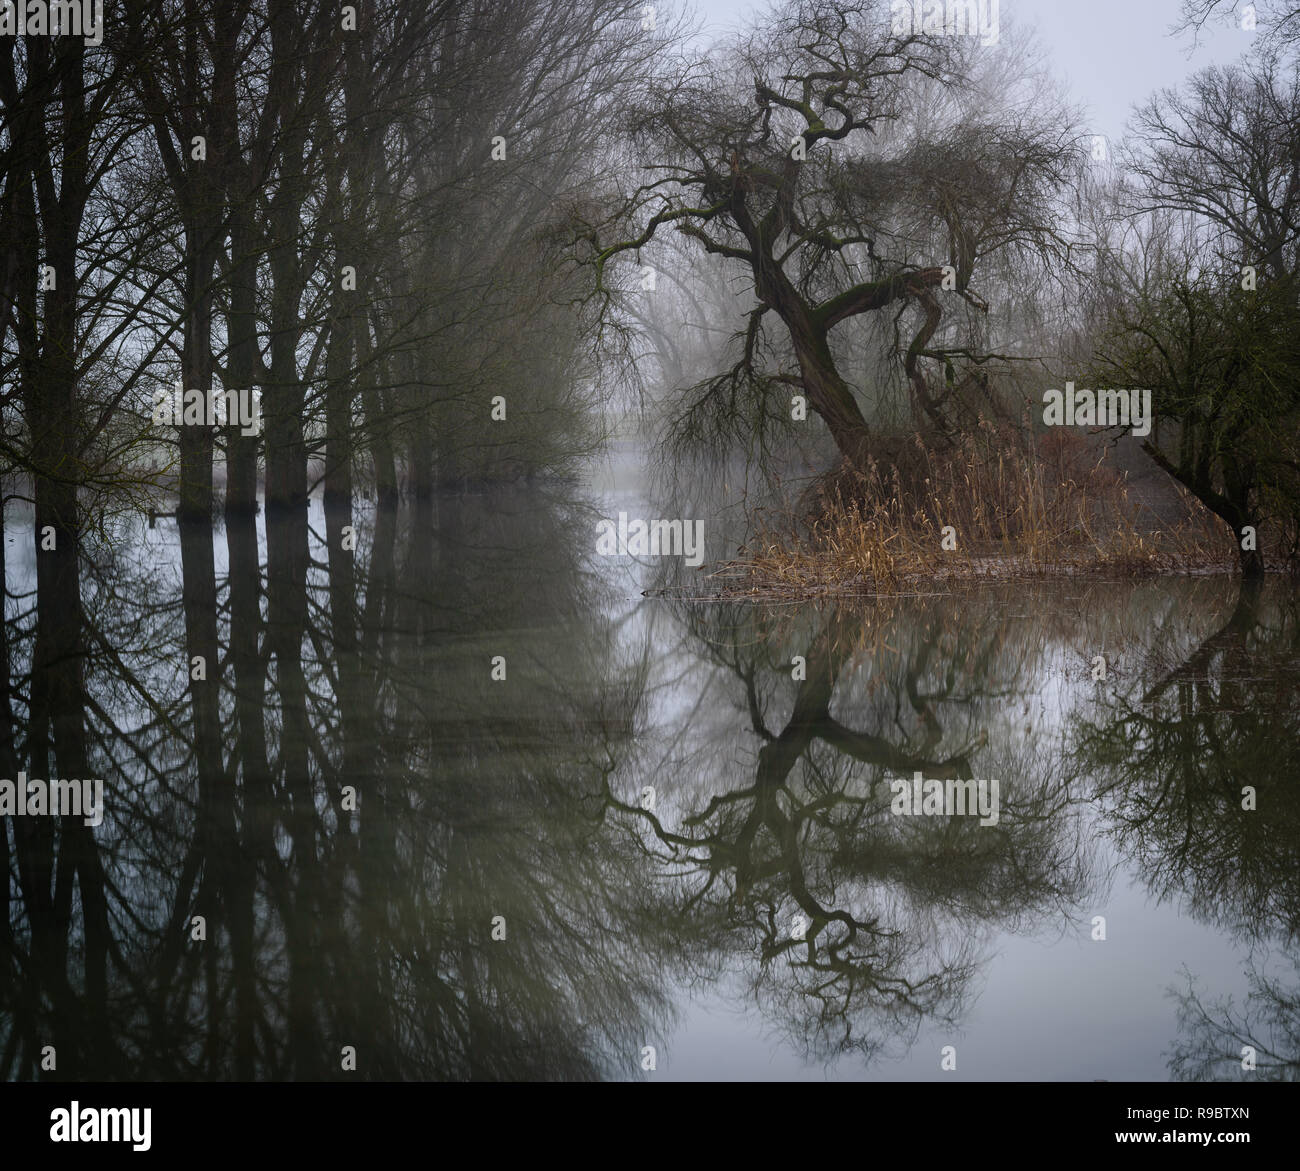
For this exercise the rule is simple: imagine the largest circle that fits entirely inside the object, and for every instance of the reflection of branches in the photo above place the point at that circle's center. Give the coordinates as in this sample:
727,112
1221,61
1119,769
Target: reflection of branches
469,806
1216,1034
1172,770
886,904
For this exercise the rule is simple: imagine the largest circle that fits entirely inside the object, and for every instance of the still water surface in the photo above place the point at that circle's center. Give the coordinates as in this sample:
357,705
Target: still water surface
678,814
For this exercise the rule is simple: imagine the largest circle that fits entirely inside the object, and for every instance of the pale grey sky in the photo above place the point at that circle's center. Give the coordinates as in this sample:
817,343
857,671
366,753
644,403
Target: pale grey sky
1109,53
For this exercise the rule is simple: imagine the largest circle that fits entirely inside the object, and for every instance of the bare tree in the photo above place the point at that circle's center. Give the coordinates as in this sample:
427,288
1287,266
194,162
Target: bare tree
799,157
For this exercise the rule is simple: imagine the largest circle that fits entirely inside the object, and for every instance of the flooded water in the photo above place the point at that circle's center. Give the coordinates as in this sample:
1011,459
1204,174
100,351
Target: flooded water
465,802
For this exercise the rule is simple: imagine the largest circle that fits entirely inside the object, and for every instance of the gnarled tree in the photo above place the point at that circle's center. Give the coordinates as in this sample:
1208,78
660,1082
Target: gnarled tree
805,157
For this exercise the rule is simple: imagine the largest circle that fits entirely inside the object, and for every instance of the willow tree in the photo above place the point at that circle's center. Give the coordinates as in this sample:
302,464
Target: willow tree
802,158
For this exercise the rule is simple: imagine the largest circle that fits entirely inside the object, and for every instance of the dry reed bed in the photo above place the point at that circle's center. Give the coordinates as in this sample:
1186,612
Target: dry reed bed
1017,513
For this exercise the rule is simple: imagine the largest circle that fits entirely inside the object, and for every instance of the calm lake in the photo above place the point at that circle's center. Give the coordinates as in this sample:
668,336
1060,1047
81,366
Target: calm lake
464,800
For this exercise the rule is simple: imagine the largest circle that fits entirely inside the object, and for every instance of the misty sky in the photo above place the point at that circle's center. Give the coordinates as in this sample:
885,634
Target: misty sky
1109,53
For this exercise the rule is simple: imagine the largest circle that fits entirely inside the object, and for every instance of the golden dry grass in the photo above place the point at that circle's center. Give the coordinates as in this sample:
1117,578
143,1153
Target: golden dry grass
1017,510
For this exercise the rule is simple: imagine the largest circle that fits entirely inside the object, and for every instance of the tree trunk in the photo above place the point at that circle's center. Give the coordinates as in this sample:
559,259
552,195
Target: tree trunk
829,395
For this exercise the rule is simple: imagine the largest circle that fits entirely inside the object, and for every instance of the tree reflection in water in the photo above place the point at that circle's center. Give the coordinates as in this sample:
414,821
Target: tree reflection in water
1196,766
311,750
